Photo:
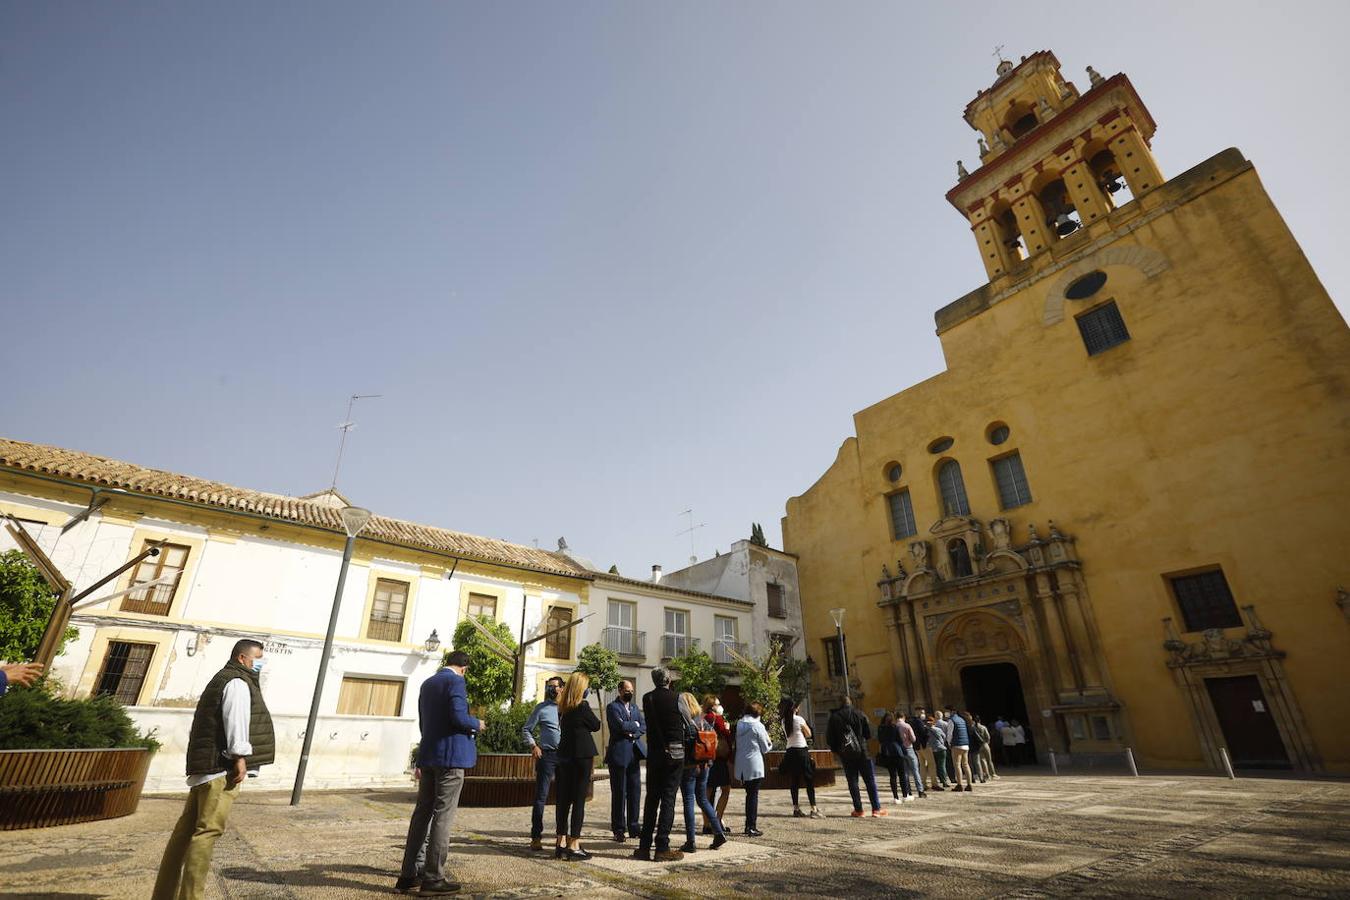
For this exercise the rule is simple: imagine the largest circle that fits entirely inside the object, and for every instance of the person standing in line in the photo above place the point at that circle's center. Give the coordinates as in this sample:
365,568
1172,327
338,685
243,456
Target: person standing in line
1012,741
996,732
719,773
937,742
22,674
1024,754
909,773
627,748
985,760
576,758
231,734
665,763
960,750
447,748
889,755
797,764
847,734
948,767
927,764
544,716
752,742
694,779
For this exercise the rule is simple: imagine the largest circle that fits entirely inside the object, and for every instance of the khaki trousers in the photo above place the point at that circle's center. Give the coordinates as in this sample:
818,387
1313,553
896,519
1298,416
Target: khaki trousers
961,765
986,761
928,773
187,859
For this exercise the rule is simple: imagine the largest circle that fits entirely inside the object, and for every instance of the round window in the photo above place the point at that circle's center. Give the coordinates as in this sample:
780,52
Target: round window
893,472
999,434
1085,287
941,444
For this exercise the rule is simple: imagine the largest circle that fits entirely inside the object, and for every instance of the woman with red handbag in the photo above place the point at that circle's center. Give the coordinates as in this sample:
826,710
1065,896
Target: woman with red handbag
719,772
699,755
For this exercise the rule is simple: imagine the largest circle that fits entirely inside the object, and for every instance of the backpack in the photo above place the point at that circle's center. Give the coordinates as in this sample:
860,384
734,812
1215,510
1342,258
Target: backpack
691,733
852,750
705,745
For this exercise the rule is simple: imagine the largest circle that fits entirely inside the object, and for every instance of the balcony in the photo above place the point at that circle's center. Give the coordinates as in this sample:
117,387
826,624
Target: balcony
673,645
625,641
723,652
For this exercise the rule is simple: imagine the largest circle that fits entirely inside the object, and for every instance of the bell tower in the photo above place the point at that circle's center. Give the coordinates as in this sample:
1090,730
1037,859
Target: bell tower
1052,160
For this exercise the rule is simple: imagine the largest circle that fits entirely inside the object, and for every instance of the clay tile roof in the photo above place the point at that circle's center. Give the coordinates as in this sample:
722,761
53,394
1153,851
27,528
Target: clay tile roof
659,586
98,471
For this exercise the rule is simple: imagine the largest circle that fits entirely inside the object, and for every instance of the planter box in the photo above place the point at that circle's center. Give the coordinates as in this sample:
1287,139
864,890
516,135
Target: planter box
826,768
58,787
504,779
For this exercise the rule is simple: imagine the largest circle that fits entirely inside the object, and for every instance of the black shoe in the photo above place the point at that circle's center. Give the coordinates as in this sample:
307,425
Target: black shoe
687,847
440,887
707,829
405,885
968,788
923,795
718,841
576,855
753,832
643,854
619,838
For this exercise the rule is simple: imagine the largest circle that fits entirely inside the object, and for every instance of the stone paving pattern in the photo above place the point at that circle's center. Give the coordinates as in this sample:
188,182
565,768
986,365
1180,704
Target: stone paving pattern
1026,835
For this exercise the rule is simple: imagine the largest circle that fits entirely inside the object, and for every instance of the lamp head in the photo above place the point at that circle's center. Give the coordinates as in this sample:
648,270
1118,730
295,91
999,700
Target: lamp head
838,615
354,518
433,641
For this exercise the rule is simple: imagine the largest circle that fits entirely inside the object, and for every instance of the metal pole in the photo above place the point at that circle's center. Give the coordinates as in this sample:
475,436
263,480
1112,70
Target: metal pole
323,671
1227,763
1054,766
1129,758
843,660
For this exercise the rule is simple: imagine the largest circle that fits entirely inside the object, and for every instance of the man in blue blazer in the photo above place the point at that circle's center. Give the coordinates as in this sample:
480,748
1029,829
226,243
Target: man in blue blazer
624,755
448,748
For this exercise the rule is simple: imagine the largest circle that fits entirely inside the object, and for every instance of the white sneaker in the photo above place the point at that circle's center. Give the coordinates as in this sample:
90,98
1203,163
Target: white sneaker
895,800
909,799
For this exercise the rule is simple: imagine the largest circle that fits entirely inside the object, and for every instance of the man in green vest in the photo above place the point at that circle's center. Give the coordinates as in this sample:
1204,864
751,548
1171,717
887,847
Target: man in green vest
231,734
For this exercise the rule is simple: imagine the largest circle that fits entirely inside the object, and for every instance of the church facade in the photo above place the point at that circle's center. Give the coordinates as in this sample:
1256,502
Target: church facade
1119,514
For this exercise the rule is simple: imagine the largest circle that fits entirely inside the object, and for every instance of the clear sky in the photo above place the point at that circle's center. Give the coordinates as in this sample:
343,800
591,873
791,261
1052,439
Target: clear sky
605,261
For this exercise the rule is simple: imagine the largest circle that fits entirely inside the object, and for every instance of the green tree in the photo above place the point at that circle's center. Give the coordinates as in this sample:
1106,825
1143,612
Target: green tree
757,535
600,665
26,603
614,570
760,683
489,678
796,678
699,675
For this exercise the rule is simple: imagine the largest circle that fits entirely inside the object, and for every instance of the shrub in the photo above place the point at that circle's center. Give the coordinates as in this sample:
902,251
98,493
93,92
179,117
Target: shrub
35,718
699,675
489,679
26,603
502,729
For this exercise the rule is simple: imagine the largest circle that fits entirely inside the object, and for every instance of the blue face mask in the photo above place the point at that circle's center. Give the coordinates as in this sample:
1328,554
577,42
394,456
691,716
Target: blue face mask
258,664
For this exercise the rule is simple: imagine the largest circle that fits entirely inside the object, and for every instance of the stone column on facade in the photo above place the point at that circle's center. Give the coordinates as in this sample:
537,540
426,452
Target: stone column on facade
1031,221
899,664
914,652
1136,162
1066,674
1088,199
1085,650
1044,690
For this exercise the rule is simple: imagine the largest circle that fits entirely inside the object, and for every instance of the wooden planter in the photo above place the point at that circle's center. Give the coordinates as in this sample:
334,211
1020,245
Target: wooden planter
58,787
504,779
826,767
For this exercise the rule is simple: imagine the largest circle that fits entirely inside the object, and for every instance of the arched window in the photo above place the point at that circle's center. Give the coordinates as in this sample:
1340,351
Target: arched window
959,554
953,489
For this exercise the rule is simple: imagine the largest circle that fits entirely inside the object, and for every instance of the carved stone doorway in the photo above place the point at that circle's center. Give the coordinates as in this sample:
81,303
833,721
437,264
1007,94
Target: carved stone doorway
992,690
1245,719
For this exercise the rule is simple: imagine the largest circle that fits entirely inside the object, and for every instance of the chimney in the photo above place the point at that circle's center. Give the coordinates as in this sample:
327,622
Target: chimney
656,574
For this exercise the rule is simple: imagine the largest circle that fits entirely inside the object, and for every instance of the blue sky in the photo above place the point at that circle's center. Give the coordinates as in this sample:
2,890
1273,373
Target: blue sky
604,261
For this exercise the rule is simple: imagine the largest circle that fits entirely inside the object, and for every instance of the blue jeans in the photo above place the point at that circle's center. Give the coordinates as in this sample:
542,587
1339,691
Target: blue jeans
544,768
625,797
752,802
869,776
909,771
694,790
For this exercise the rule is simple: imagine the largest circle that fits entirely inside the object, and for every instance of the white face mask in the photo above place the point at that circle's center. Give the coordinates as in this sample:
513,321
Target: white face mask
718,709
258,664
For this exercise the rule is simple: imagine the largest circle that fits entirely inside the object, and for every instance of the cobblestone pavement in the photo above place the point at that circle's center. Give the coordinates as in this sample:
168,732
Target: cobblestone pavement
1026,835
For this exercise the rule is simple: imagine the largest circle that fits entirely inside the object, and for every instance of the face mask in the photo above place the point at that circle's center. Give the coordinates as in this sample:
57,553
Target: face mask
626,696
586,693
551,691
258,664
718,709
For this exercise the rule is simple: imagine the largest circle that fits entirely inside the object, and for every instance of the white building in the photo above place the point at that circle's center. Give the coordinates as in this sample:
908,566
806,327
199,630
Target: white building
244,563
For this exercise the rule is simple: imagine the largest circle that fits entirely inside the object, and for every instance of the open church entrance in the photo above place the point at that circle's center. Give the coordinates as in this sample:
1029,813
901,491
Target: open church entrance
995,689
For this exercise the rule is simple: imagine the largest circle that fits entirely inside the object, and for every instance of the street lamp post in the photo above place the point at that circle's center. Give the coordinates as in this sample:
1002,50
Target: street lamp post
838,615
354,518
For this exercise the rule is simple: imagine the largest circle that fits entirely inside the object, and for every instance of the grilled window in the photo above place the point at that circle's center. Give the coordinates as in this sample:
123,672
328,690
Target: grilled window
370,697
902,515
834,664
1012,481
1102,328
777,606
483,605
123,671
558,646
1205,601
168,564
953,488
387,610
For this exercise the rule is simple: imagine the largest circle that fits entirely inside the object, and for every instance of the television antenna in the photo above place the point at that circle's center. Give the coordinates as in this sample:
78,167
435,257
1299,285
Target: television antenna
346,426
693,556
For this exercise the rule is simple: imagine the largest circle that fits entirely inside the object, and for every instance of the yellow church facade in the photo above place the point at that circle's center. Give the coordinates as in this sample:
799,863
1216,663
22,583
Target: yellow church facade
1122,513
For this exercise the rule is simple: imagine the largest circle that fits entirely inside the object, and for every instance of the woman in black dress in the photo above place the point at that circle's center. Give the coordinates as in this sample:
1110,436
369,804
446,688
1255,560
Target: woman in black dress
577,723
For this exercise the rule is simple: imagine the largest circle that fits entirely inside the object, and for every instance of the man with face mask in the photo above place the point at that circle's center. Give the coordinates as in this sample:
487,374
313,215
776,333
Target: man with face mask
624,757
231,734
665,723
544,716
